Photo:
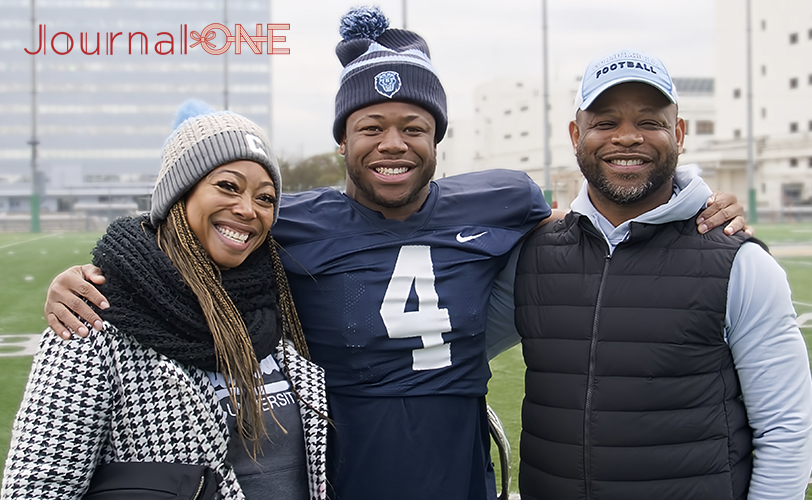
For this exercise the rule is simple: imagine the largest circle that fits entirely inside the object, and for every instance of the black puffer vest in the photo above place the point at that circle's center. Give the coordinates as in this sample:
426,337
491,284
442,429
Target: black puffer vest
631,392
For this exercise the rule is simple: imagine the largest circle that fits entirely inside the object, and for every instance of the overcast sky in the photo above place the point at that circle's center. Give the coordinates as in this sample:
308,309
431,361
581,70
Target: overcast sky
476,41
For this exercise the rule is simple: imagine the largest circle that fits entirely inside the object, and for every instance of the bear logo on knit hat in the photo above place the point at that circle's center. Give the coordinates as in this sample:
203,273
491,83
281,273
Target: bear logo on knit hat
387,83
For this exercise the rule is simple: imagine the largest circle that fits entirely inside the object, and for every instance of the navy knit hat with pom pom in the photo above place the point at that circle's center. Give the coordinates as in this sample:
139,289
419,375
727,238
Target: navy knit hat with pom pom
382,65
202,141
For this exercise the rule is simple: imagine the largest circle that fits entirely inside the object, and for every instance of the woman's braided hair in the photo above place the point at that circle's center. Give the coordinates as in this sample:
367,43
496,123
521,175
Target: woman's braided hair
233,350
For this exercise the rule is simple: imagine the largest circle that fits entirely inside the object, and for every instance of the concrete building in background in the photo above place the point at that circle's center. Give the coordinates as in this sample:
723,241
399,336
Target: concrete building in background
102,118
507,132
782,106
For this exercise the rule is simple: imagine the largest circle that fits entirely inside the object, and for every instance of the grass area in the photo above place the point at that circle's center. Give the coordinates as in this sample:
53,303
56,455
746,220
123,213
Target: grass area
773,234
31,261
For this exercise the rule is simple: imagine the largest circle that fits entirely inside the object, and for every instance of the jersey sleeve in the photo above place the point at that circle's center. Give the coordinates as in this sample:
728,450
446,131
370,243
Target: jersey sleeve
500,330
497,198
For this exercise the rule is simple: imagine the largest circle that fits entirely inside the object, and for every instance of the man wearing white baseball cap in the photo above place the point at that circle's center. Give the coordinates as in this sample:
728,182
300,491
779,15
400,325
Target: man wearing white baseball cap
621,67
661,363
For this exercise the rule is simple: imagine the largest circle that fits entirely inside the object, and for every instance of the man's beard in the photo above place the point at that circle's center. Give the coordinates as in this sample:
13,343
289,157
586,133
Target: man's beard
426,174
663,172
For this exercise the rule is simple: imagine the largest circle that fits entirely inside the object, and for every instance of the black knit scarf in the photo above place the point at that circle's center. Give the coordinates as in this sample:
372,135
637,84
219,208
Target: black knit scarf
150,301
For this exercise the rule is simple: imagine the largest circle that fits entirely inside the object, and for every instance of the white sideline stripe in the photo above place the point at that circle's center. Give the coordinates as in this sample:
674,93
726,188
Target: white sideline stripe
29,344
29,241
803,319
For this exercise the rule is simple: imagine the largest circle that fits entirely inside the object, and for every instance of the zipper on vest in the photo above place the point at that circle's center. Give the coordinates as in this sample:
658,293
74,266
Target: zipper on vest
590,385
199,488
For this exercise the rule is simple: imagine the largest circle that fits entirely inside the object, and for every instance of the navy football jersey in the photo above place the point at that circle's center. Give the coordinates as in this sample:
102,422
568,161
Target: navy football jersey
396,309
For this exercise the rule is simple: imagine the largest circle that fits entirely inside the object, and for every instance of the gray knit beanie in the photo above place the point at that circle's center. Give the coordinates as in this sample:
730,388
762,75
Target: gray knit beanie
382,65
202,143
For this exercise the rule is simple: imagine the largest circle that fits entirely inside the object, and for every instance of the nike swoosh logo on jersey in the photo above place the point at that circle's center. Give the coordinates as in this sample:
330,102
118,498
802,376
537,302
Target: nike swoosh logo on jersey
464,239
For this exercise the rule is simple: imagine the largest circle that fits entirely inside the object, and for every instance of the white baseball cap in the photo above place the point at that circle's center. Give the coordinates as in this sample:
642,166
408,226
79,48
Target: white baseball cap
621,67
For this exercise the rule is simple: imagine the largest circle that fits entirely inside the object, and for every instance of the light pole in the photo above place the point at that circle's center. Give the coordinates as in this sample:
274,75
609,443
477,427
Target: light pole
403,7
35,227
752,211
548,192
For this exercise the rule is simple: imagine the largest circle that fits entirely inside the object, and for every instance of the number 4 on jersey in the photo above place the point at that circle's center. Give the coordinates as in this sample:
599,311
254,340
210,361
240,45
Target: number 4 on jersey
429,322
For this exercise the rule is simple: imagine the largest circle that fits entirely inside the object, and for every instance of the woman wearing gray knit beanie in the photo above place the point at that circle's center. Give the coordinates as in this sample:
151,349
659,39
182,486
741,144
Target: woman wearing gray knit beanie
201,360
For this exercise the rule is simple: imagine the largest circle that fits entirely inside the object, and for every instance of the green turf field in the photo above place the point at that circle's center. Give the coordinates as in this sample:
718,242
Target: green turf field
31,261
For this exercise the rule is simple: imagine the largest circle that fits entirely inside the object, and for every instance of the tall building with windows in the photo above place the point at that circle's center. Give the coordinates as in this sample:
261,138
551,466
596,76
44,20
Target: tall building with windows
781,38
102,117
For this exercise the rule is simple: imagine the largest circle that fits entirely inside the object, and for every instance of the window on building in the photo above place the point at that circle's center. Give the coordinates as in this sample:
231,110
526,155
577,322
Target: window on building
507,111
144,203
704,127
737,133
764,112
793,162
64,204
809,163
810,33
763,69
810,79
443,155
507,136
793,38
810,125
763,25
737,93
519,84
793,83
525,159
450,133
524,108
525,134
792,193
763,188
793,127
687,127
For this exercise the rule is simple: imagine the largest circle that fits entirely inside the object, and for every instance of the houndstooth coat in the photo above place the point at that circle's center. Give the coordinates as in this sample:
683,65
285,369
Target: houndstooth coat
106,398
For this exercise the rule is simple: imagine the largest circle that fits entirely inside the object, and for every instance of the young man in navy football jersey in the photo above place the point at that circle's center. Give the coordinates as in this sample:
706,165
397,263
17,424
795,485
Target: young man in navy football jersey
392,279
